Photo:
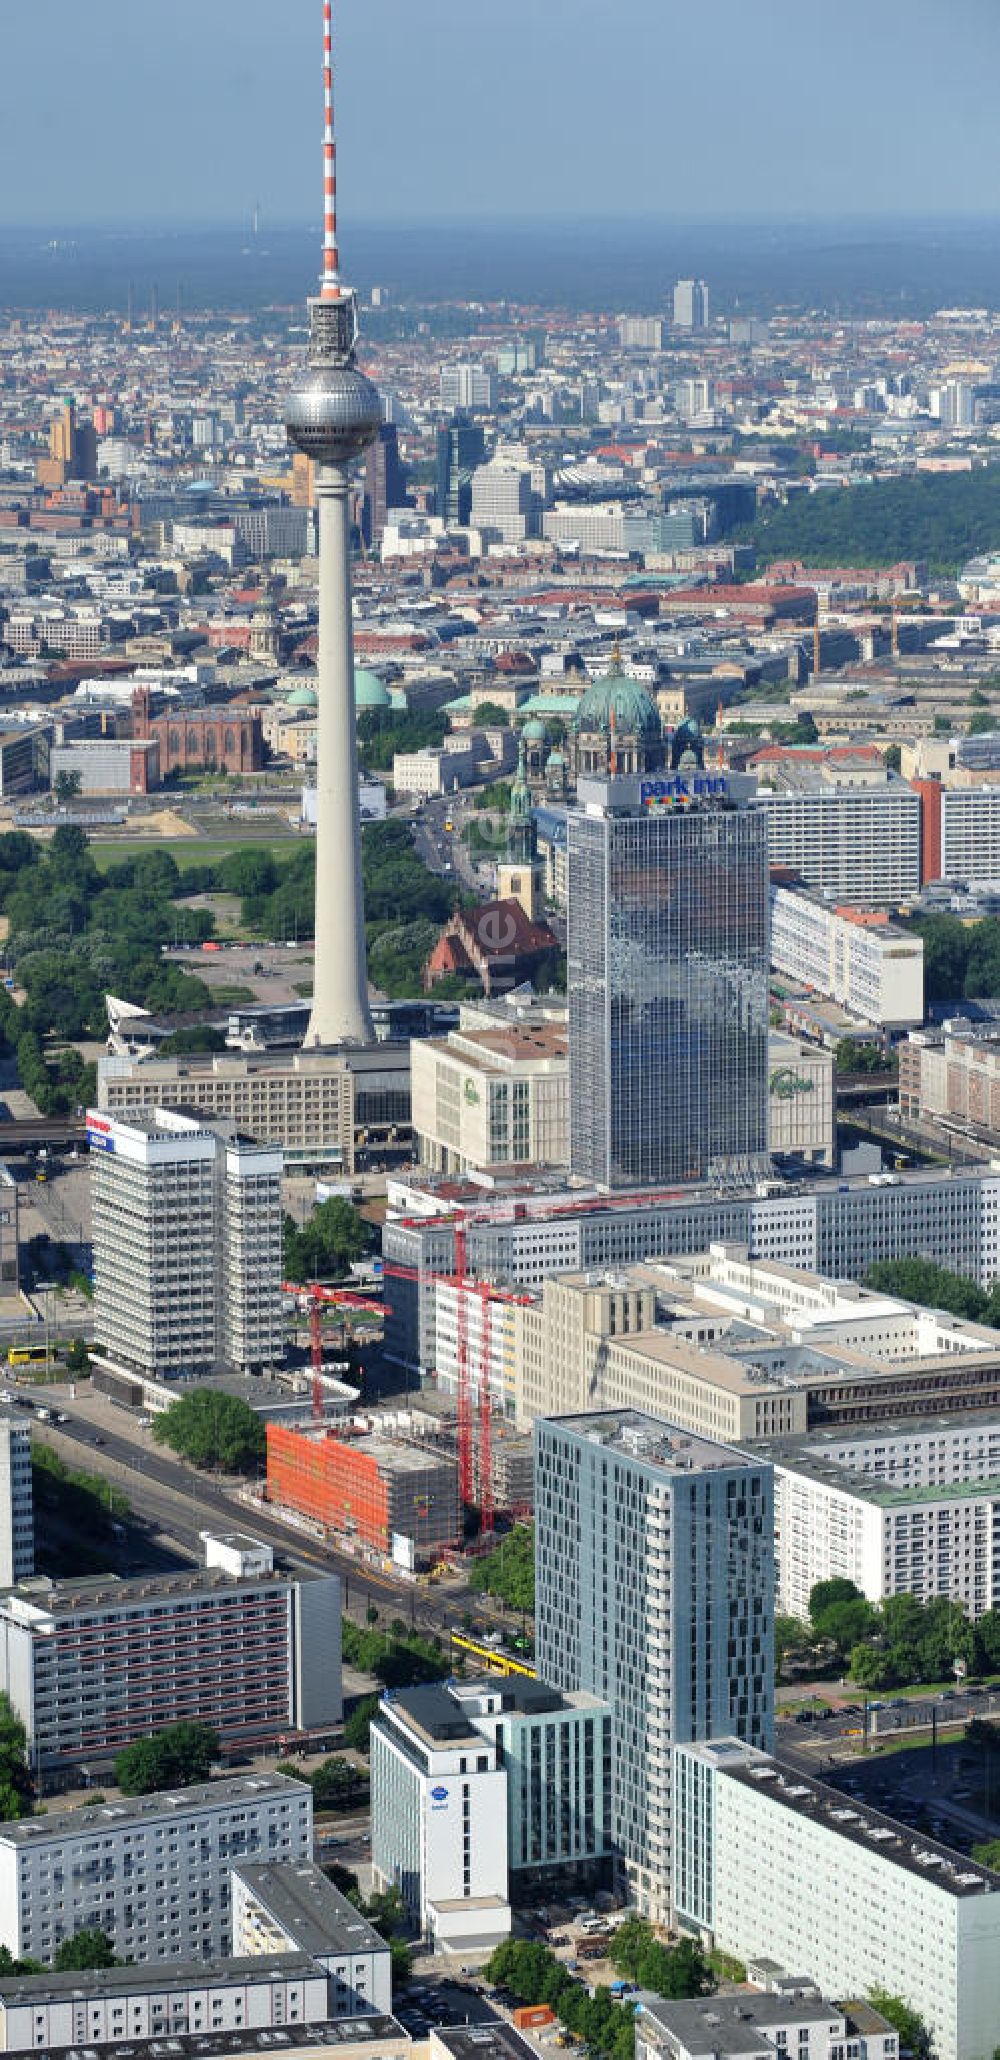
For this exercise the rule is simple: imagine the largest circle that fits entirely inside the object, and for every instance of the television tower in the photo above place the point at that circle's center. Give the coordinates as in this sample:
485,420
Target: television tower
333,413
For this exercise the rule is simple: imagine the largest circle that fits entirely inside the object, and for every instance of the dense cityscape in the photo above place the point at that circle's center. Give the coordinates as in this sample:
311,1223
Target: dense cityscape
499,1164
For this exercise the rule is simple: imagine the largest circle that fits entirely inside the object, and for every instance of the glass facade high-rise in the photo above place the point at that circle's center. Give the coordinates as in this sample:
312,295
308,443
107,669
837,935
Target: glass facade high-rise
667,981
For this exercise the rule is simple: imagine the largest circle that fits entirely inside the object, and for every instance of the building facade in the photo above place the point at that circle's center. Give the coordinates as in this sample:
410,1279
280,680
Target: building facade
93,1664
487,1097
859,844
281,1908
531,1770
151,1871
667,969
190,1998
17,1522
874,969
768,1862
654,1551
341,1109
187,1244
369,1490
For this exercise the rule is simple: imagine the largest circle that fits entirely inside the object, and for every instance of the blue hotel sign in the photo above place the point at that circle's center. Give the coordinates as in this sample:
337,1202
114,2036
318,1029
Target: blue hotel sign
682,787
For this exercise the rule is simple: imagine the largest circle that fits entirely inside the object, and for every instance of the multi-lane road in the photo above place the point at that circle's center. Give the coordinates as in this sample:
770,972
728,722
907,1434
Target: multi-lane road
178,1503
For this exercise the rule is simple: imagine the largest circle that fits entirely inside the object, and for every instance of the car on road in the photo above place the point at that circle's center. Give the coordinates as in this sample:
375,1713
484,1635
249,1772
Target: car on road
100,1441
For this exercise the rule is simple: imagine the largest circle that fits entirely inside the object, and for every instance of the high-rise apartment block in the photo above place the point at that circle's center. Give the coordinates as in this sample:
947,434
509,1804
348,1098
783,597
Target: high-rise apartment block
151,1871
655,1569
667,977
502,502
17,1528
90,1665
770,1863
467,389
691,308
187,1243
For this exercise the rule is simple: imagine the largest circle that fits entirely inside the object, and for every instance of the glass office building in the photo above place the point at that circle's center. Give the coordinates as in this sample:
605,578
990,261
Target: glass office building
667,978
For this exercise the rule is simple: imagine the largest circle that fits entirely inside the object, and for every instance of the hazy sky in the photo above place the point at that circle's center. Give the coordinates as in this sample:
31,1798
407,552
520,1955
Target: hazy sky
192,109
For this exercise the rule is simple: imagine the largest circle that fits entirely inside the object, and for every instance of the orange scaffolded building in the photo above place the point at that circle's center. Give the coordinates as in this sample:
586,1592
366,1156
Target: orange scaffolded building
366,1488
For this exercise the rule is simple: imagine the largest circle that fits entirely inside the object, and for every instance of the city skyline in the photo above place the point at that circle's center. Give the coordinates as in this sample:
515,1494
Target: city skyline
526,147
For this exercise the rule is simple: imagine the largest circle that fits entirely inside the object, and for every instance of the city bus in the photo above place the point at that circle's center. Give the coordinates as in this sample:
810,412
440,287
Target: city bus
29,1355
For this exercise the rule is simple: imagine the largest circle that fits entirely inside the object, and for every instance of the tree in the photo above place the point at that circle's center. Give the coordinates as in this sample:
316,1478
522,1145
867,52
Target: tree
15,1781
790,1635
67,786
326,1247
336,1784
78,1357
981,723
8,1964
914,2036
357,1726
173,1758
213,1429
86,1948
490,715
509,1572
933,1287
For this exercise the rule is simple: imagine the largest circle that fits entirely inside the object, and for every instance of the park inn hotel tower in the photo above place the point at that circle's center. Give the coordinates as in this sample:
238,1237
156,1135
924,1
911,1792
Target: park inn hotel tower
667,962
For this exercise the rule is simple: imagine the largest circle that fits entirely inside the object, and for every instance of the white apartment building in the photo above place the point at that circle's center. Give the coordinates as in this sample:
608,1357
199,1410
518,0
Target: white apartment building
478,1785
283,1908
640,332
434,770
153,1871
795,2021
970,833
655,1564
830,1522
17,1523
875,970
190,1998
858,844
768,1862
90,1665
187,1244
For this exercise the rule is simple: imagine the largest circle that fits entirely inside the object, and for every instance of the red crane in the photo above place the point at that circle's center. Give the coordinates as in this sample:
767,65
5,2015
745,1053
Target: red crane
344,1298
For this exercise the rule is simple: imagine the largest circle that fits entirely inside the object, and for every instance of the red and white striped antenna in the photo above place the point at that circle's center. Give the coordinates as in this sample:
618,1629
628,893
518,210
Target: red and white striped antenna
330,287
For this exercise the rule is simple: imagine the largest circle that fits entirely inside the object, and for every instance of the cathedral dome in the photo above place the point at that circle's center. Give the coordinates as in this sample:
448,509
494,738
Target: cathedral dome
620,700
369,691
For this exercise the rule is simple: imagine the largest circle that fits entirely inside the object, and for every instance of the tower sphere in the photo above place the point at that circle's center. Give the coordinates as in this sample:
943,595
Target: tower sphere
332,413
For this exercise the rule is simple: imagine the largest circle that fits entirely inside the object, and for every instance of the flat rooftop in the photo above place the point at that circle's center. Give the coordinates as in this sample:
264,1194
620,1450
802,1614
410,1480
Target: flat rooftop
154,1974
733,2024
344,2035
496,2041
652,1440
951,1871
102,1592
303,1901
97,1819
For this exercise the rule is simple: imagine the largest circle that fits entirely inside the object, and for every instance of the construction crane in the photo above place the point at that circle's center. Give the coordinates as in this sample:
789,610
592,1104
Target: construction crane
318,1298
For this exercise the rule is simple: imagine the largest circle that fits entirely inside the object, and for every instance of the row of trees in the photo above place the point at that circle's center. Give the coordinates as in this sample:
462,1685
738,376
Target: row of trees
87,1948
934,1287
899,1642
398,1657
384,731
509,1571
533,1974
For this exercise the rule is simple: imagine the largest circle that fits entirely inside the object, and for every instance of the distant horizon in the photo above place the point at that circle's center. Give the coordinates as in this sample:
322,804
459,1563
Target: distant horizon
306,225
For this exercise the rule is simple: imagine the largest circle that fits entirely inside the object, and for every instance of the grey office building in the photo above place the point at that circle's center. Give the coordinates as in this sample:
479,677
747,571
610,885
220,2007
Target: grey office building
654,1554
667,978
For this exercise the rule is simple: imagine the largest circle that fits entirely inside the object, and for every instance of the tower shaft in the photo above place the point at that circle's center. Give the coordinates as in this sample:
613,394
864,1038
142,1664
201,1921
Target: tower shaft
340,1011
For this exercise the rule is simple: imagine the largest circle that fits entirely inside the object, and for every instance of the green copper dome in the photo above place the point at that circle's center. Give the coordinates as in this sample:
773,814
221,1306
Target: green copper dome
533,731
303,697
623,700
369,691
